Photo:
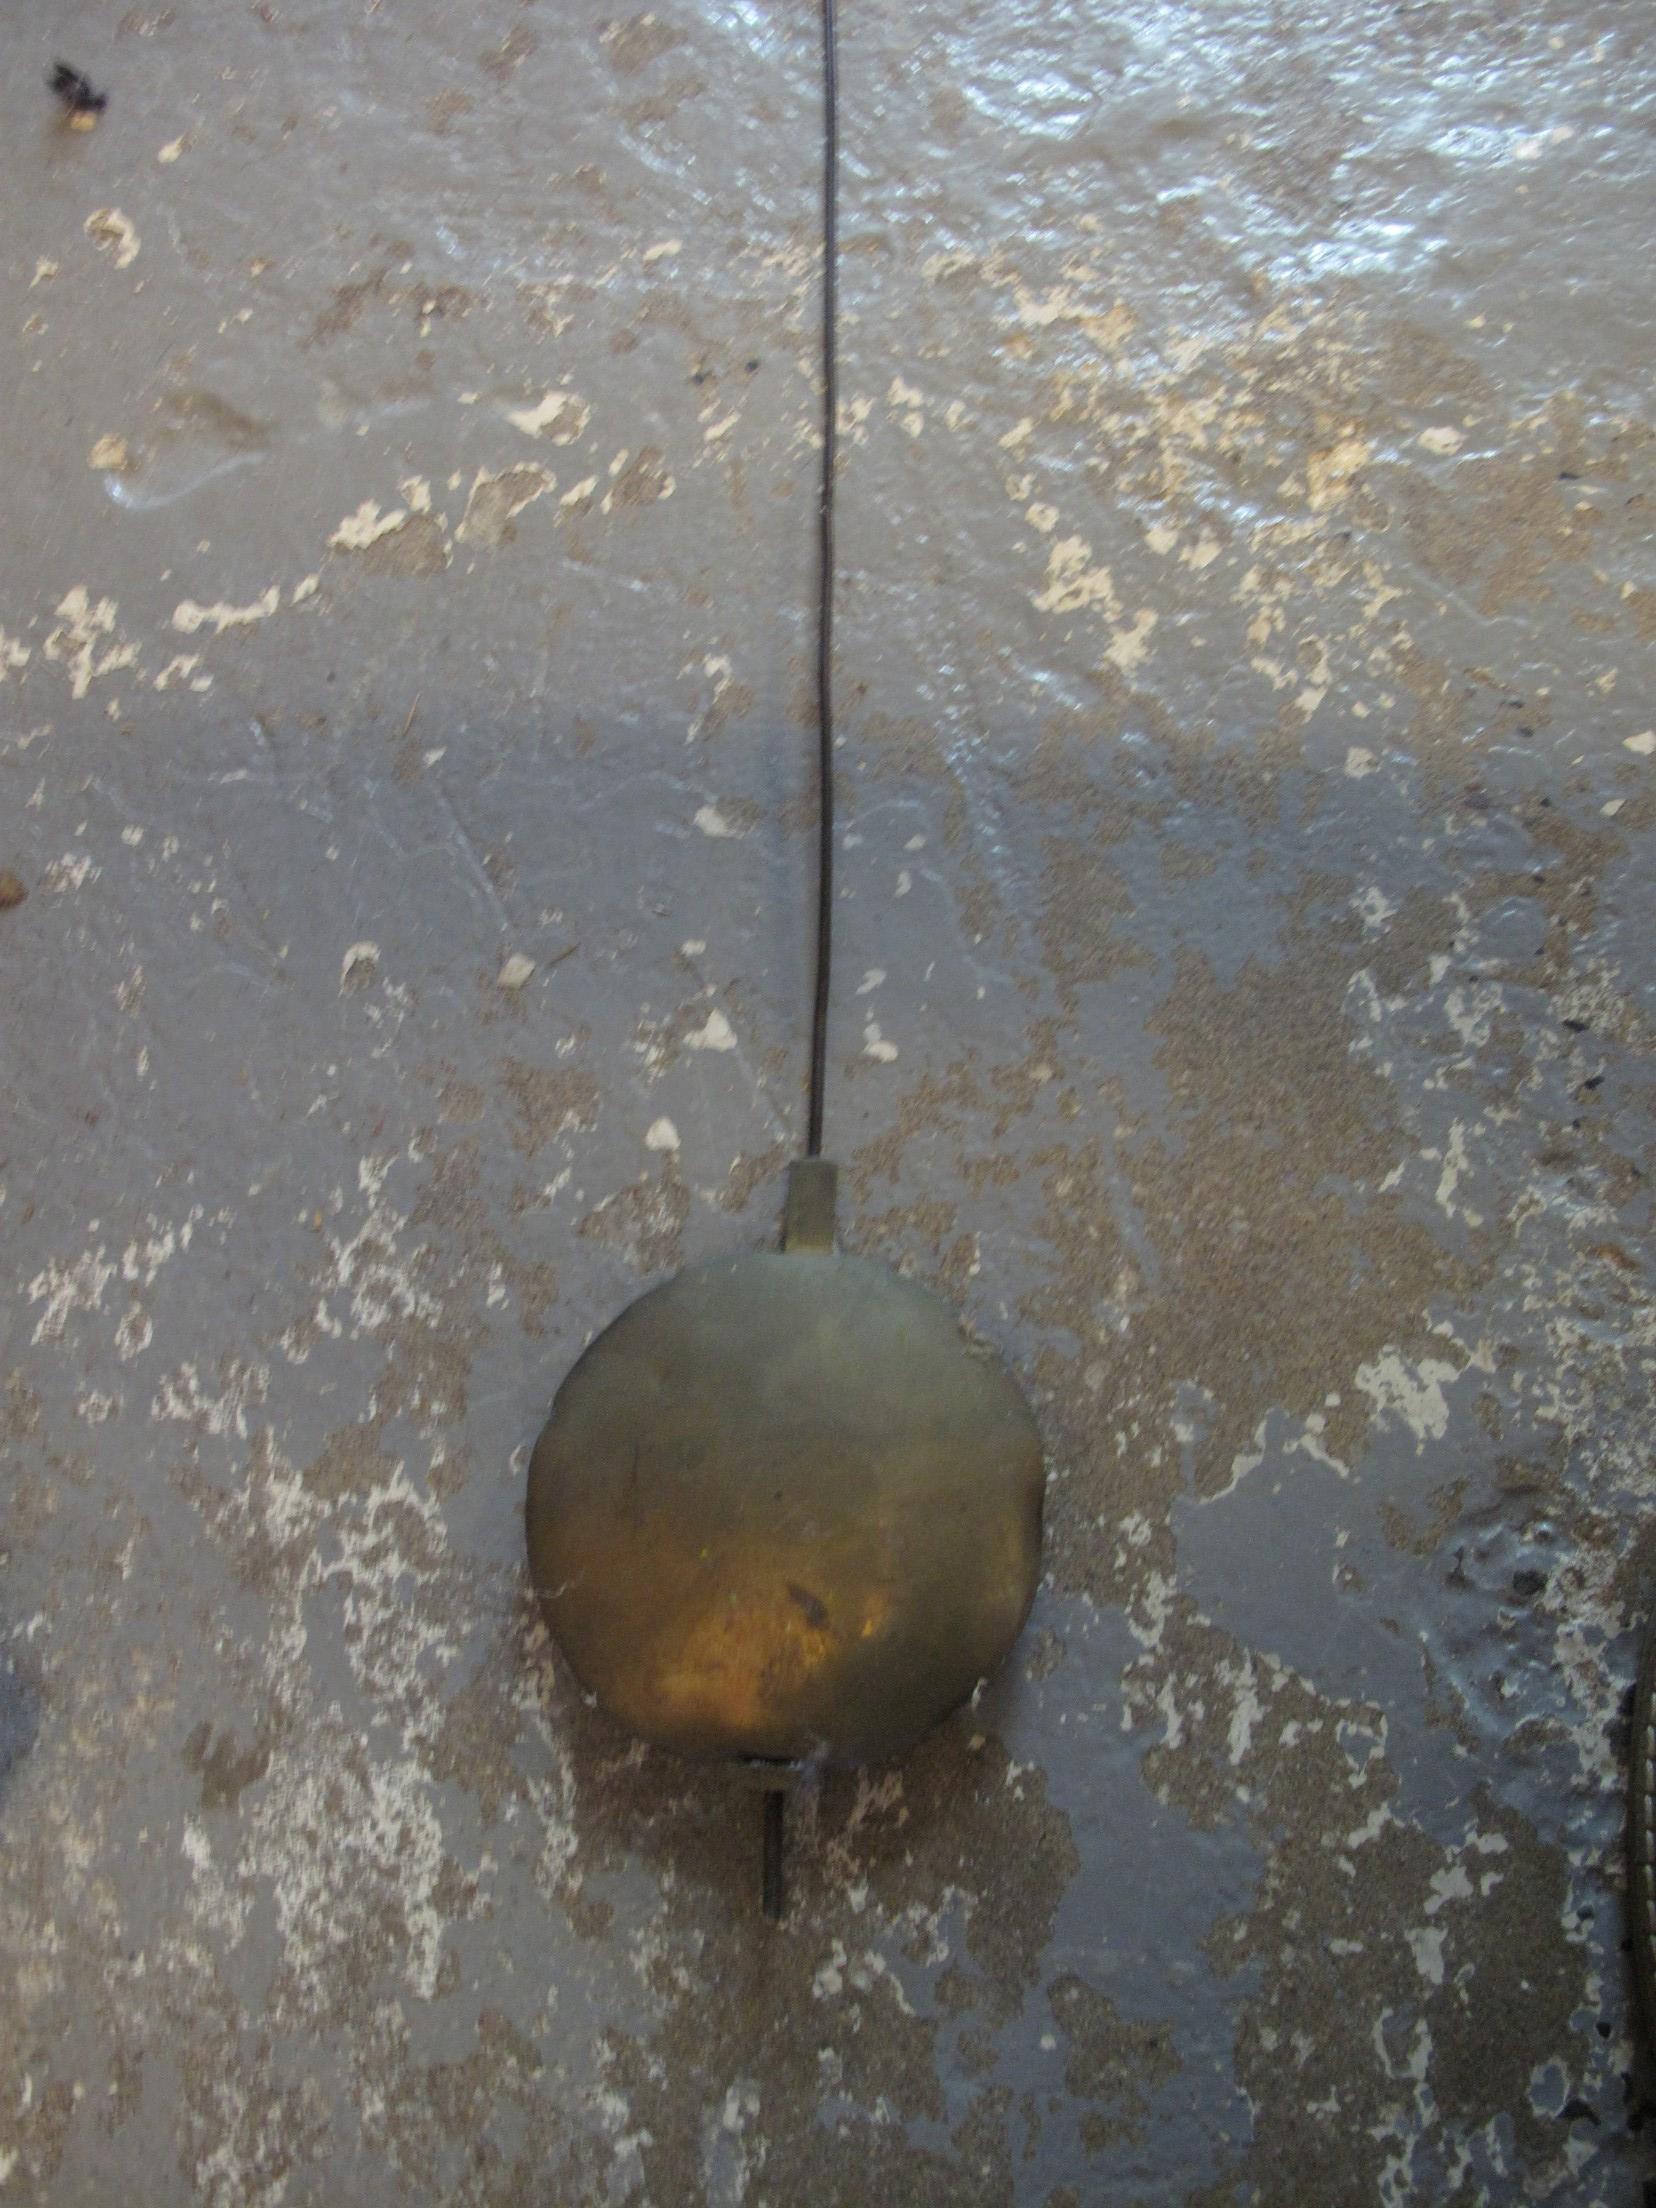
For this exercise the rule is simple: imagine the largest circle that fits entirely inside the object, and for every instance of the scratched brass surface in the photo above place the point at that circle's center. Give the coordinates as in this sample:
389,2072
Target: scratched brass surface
784,1508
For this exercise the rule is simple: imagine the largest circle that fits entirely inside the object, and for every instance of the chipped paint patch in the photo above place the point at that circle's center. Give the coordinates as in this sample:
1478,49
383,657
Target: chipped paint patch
1331,470
409,540
66,1286
1129,646
715,1033
1073,583
112,453
909,405
113,233
495,501
1410,1391
1456,1163
182,668
366,526
637,479
358,967
84,640
1068,303
73,871
188,616
560,417
218,1407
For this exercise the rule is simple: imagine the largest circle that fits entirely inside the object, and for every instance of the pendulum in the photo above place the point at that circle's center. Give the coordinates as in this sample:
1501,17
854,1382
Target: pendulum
785,1512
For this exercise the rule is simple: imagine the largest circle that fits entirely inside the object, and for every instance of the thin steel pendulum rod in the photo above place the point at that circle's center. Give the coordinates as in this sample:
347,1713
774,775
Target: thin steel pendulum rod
825,579
775,1799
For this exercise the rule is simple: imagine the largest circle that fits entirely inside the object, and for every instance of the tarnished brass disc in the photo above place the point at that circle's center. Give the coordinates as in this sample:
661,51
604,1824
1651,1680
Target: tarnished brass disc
784,1509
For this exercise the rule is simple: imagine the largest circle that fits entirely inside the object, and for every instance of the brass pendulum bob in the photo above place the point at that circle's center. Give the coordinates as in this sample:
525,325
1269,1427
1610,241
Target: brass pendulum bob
785,1512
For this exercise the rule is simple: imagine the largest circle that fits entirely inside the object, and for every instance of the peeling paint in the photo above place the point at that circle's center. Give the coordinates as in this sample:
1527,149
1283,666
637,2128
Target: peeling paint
559,416
113,233
189,617
1244,654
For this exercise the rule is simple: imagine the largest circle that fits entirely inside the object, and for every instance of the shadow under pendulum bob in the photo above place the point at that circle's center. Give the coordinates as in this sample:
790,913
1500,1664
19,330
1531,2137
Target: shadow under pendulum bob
786,1512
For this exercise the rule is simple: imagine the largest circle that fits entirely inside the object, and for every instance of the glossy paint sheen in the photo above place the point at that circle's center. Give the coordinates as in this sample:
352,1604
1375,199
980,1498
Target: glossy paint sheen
1244,1020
